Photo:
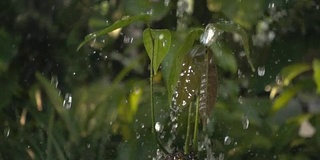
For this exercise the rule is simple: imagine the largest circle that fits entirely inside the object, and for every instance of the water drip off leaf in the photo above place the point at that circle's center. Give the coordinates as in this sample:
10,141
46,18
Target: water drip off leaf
118,24
316,74
157,44
290,72
234,28
57,102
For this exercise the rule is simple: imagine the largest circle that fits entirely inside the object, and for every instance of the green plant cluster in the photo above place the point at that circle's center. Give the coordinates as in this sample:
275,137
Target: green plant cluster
86,79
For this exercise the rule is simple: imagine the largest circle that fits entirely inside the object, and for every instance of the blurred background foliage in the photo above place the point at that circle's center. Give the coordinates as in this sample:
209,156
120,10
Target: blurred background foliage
60,103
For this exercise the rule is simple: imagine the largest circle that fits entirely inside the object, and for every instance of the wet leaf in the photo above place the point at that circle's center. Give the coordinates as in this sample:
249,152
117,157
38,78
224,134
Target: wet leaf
119,24
56,100
285,97
198,77
174,65
156,9
244,12
224,57
290,72
234,28
157,44
316,74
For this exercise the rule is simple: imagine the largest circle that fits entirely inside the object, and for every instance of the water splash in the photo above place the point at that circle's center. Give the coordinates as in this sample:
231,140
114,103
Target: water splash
67,102
210,35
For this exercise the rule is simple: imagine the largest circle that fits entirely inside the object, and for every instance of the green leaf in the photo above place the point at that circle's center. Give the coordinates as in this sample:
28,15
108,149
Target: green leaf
224,57
156,9
245,12
290,72
157,44
57,102
173,65
234,28
119,24
285,97
316,74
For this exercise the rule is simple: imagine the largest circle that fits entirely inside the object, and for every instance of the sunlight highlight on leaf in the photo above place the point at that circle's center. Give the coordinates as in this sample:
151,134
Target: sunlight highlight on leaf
316,73
290,72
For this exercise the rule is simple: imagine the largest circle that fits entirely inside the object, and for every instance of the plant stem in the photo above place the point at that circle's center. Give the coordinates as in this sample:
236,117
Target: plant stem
151,85
186,145
195,131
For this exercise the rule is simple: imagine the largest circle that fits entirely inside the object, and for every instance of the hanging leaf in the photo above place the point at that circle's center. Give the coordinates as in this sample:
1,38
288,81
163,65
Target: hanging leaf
234,28
208,85
316,74
224,57
173,64
290,72
118,24
157,44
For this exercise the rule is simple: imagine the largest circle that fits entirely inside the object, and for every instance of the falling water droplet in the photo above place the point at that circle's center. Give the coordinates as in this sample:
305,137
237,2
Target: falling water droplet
261,71
245,122
158,127
227,140
166,2
6,131
88,145
67,102
54,81
210,35
137,135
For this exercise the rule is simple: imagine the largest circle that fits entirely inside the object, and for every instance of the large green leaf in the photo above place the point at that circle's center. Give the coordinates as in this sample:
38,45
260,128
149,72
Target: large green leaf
234,28
316,74
173,65
245,12
290,72
57,102
224,57
157,44
119,24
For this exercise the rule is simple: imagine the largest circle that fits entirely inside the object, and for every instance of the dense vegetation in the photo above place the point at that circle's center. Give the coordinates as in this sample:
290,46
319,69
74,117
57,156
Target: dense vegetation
74,79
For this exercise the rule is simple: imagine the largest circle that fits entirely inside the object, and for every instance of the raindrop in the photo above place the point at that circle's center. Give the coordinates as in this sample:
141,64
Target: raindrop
158,127
88,145
7,131
245,122
210,35
227,140
261,71
166,2
142,125
137,136
54,81
127,39
67,102
161,36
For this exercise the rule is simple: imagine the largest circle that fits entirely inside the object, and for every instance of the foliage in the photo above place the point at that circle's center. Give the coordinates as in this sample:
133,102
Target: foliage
58,101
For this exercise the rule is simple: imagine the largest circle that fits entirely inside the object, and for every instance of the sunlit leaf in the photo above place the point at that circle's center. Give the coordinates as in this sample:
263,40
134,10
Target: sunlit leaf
157,44
290,72
234,28
57,102
316,74
173,65
224,57
119,24
285,97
